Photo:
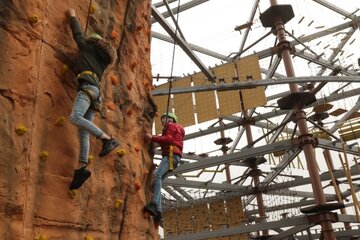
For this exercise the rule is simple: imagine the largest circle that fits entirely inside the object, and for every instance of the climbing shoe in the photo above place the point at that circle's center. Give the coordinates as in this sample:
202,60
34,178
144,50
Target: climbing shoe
151,209
158,219
80,176
108,146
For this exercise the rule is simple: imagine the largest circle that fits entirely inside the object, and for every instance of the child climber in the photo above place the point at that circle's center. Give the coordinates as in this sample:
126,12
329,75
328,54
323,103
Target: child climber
95,55
171,143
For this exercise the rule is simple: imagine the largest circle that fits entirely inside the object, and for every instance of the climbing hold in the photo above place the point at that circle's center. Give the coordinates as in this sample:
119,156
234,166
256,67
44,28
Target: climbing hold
111,106
44,155
118,203
60,121
129,112
114,80
21,130
41,237
89,238
137,148
137,186
92,9
72,193
114,35
64,69
138,28
90,159
129,85
33,19
121,152
132,66
147,49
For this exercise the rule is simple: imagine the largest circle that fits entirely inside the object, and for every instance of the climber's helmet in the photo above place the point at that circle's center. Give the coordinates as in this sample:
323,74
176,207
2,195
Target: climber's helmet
170,115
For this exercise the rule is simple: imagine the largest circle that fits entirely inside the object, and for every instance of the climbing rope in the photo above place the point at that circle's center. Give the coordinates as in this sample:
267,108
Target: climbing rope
172,60
87,18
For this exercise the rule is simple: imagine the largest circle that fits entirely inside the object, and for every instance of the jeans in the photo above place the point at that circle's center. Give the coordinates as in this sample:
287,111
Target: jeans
160,174
82,116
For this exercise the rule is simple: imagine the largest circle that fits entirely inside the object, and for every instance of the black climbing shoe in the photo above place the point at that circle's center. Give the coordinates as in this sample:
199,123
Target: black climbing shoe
151,209
158,219
108,146
80,176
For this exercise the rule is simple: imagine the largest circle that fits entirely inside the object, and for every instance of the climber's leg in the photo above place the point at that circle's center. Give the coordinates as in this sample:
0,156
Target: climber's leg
80,107
84,138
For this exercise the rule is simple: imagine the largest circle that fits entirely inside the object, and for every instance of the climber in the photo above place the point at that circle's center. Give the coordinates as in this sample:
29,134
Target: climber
171,143
95,55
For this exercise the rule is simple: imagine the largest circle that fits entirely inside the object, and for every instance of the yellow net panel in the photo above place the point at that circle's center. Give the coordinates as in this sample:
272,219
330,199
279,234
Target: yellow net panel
235,216
186,221
229,101
201,217
218,215
170,223
225,72
161,103
249,67
183,103
205,101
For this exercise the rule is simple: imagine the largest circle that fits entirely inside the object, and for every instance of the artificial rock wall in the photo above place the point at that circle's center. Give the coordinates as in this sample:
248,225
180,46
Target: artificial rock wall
38,145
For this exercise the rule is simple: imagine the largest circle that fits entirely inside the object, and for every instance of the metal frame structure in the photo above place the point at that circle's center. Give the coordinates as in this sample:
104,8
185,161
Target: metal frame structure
178,186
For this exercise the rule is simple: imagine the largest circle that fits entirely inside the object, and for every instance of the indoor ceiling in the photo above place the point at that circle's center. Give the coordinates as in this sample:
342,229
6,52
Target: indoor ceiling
325,42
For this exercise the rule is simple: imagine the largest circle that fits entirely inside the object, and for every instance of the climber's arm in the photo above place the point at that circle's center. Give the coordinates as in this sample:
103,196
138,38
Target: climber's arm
78,35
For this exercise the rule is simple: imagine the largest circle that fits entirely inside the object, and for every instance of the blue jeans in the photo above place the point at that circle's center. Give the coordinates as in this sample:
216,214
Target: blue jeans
82,116
160,174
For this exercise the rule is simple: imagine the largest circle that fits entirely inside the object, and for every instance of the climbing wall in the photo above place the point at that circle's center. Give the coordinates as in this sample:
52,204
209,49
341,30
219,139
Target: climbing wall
39,147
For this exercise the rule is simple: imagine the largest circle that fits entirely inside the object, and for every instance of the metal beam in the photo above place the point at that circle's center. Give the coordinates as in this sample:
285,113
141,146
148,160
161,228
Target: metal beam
274,113
183,7
295,221
181,42
322,62
238,156
192,46
336,9
254,84
172,193
178,182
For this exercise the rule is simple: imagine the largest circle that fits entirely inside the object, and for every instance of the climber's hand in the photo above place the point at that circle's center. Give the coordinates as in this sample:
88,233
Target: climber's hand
70,12
148,137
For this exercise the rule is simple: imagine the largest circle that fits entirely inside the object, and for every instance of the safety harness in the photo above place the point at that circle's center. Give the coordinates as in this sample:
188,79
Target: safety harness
94,99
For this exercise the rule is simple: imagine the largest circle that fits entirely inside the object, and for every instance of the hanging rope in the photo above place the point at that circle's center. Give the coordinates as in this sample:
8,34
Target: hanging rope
172,60
87,18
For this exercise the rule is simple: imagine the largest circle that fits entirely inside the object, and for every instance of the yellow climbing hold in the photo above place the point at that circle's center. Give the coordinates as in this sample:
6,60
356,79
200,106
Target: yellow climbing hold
33,19
118,203
90,158
121,152
41,237
21,130
60,121
92,9
89,238
72,193
64,69
44,155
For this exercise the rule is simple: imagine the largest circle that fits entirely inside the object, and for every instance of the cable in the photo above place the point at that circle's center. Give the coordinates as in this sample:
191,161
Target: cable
172,61
87,18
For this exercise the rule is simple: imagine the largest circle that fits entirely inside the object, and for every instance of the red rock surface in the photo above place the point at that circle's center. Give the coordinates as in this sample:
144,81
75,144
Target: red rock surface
36,90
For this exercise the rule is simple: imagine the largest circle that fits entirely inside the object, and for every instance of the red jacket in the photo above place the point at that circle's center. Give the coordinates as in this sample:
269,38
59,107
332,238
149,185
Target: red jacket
173,134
